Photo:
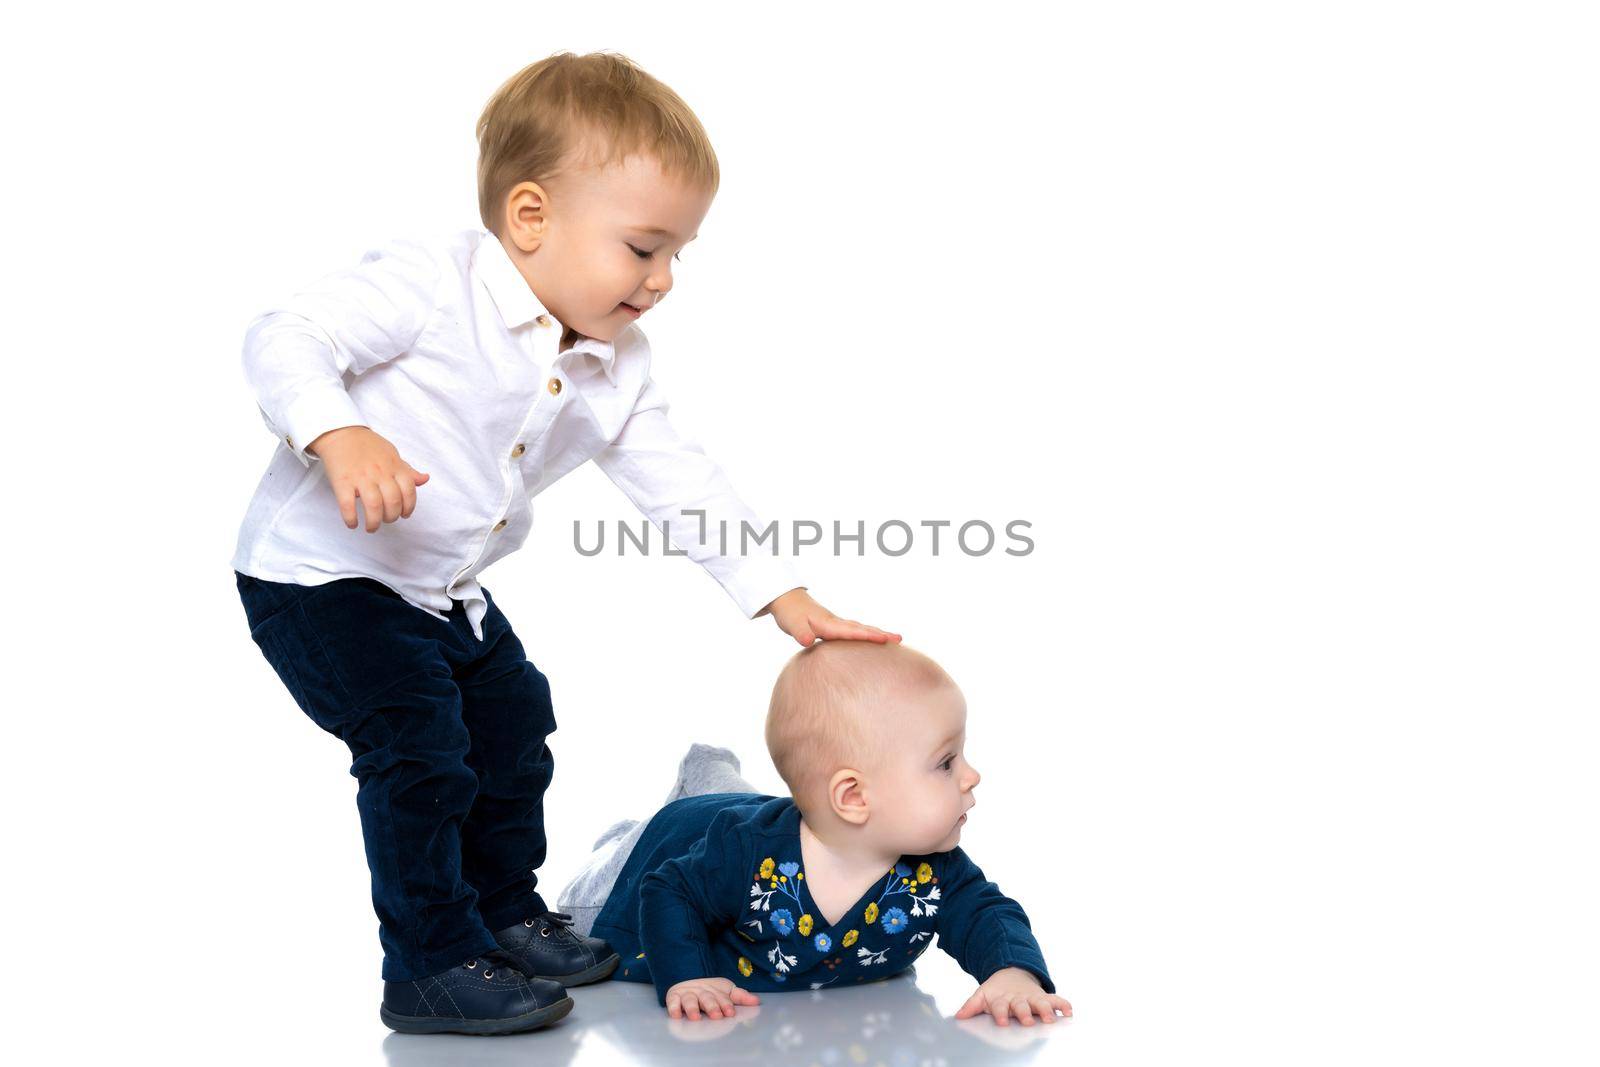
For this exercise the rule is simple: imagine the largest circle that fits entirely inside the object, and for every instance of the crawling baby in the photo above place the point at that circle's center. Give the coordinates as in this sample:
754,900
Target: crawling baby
726,892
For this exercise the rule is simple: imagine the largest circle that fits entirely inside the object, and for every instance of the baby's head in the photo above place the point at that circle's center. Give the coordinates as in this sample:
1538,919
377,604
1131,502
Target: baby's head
869,738
593,175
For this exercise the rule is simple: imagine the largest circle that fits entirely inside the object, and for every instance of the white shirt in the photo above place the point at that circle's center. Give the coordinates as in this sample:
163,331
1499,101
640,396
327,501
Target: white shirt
440,346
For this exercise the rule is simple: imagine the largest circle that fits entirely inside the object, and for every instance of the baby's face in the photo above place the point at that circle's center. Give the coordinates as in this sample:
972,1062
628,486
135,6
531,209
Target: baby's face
920,787
597,249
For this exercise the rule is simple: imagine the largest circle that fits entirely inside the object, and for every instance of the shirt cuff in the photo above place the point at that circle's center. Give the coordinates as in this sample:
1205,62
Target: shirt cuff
1005,951
1034,968
313,412
756,581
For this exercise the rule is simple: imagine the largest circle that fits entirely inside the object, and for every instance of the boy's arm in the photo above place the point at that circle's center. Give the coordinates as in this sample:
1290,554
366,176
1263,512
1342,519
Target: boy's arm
671,480
296,352
982,928
686,897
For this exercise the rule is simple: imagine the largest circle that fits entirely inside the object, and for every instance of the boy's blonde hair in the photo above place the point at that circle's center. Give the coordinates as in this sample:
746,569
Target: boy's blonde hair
828,709
595,109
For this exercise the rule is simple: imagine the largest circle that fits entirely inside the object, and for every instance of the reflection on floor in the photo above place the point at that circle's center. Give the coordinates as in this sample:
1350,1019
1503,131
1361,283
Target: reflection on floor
895,1023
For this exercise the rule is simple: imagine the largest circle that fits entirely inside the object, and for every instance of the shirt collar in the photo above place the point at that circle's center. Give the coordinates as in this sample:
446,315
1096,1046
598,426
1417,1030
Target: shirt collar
519,305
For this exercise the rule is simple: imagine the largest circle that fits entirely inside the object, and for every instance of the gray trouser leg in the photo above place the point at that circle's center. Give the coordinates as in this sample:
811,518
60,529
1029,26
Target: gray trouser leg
703,769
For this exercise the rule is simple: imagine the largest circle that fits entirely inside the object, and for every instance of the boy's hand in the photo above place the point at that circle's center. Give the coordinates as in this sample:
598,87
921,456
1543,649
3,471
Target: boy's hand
362,464
1013,991
805,620
714,996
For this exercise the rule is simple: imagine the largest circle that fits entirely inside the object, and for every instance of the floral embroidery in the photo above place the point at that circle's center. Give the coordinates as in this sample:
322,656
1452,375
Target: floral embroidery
782,962
902,879
925,905
907,886
870,957
774,878
761,899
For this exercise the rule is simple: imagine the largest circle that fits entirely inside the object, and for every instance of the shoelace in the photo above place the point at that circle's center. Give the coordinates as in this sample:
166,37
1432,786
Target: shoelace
494,962
558,921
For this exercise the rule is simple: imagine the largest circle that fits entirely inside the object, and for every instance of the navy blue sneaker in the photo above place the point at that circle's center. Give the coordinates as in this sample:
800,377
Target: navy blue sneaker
487,995
546,946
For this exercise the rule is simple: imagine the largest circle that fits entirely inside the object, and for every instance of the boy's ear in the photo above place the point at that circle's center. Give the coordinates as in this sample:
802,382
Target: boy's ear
527,215
847,795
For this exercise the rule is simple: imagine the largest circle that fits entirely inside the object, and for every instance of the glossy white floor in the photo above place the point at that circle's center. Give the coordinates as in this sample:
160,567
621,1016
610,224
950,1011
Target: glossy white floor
903,1021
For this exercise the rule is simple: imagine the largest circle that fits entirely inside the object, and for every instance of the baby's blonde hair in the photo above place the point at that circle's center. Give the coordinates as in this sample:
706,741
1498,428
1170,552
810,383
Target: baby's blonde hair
599,109
827,709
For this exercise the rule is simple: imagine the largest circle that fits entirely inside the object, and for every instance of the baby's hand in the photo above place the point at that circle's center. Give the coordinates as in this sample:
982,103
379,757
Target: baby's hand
1013,991
362,464
805,620
714,996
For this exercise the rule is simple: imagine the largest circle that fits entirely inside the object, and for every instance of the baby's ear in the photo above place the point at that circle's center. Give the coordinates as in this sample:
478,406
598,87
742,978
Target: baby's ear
847,795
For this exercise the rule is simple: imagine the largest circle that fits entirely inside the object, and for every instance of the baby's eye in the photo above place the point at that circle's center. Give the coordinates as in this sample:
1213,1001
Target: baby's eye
949,761
642,254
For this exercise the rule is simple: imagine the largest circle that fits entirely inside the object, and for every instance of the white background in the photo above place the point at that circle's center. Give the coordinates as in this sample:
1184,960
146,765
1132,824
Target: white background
1276,321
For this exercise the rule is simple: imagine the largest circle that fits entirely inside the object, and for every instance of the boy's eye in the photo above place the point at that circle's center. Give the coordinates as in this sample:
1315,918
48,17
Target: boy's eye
642,254
948,762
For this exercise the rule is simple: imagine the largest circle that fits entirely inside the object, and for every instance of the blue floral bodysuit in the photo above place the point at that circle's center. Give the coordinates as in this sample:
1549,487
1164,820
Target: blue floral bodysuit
714,888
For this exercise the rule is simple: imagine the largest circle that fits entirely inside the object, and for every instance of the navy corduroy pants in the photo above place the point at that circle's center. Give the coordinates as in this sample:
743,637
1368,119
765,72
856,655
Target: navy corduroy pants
447,736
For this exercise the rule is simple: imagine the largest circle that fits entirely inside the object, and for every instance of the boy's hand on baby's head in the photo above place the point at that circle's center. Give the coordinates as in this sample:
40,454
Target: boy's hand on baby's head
363,465
713,996
1014,991
805,620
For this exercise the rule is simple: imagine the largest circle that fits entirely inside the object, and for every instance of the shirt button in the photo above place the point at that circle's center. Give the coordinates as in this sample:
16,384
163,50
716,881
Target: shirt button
501,525
555,387
519,450
543,320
